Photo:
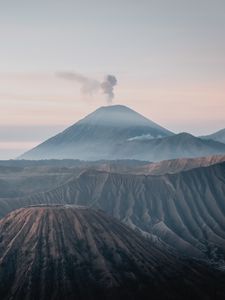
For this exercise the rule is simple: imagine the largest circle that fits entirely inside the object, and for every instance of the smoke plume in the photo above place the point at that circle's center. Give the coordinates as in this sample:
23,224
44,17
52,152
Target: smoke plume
107,87
88,85
91,86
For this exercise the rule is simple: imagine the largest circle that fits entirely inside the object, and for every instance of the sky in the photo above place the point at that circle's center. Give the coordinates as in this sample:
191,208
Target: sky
168,57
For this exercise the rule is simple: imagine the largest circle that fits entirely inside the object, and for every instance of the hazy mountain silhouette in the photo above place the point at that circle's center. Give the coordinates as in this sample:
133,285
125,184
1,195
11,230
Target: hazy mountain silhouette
98,135
118,132
218,136
182,145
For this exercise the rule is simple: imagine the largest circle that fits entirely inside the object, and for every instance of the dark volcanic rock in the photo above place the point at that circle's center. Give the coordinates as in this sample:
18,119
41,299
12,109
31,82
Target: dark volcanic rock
62,252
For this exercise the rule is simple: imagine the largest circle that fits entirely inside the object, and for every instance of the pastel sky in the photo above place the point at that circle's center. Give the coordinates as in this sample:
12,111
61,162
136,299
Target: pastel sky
168,57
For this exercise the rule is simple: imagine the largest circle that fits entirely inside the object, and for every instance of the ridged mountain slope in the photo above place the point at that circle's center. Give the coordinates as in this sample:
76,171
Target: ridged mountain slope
186,210
62,252
177,165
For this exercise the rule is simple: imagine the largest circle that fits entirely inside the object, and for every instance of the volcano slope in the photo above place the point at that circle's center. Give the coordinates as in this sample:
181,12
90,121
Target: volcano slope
101,132
118,132
176,165
185,210
20,178
66,252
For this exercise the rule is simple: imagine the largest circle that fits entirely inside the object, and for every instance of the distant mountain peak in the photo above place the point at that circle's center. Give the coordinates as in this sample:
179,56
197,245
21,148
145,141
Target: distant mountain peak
218,136
98,134
185,136
119,115
119,132
114,107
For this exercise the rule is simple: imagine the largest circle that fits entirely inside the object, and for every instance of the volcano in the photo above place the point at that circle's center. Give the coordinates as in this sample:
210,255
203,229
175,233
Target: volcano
67,252
98,135
118,132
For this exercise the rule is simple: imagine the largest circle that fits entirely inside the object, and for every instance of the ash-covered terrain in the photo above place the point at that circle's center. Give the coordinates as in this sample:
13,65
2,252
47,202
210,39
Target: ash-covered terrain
66,252
185,208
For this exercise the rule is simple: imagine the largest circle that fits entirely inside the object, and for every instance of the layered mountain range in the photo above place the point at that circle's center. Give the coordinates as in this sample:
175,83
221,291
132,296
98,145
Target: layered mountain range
114,207
118,132
66,252
185,210
20,178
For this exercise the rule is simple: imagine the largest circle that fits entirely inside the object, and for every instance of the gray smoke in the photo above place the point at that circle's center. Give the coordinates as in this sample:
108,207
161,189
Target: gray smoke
108,87
88,85
91,86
